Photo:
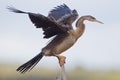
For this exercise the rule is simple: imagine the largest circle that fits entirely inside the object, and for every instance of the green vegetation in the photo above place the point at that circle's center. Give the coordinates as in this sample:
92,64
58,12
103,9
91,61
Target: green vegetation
7,72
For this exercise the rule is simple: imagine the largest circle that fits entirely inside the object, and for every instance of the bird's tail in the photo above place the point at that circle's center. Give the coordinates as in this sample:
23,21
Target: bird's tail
31,63
12,9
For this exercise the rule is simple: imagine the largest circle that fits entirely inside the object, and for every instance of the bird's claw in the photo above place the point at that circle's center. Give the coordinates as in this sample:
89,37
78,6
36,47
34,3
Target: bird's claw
62,60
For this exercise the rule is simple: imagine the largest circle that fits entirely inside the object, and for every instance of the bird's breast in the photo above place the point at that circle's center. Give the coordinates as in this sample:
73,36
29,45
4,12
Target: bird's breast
65,44
59,44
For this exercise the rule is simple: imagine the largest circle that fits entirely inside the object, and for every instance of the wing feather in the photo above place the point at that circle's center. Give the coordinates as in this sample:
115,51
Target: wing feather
59,11
64,15
49,26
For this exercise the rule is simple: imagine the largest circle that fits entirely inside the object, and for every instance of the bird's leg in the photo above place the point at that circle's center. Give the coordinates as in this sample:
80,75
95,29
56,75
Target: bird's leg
63,73
61,59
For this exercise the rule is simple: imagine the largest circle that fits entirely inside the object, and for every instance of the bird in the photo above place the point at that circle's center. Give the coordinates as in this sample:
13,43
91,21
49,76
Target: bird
58,26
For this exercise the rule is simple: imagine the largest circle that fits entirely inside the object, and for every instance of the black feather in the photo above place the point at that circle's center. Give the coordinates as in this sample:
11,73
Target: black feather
12,9
30,64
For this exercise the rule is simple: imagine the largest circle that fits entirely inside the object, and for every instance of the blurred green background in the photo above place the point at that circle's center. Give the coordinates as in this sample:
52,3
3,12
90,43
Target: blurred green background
7,72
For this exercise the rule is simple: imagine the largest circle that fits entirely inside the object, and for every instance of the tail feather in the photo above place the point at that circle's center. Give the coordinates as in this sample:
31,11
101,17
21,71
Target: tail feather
12,9
30,64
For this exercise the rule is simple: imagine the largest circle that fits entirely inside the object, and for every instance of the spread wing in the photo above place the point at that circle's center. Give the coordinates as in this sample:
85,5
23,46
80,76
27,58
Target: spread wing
64,15
59,11
49,26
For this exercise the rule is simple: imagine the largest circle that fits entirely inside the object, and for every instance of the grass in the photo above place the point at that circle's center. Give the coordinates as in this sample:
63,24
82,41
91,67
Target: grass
8,72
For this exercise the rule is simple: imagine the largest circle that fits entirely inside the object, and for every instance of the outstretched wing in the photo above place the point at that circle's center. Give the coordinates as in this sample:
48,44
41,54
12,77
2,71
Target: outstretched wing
63,15
49,26
59,11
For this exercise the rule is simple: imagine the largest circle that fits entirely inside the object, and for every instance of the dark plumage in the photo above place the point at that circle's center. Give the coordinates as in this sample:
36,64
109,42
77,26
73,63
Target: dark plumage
49,26
58,24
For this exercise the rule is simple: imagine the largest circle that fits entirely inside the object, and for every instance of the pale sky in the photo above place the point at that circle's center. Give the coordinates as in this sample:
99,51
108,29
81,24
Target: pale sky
99,47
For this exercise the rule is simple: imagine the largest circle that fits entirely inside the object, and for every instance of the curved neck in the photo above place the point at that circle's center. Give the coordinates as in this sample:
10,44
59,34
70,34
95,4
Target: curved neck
81,21
80,26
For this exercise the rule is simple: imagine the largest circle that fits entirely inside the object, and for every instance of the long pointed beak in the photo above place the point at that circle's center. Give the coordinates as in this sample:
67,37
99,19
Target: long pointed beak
99,22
